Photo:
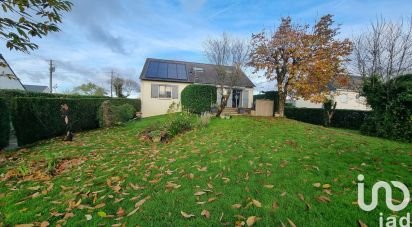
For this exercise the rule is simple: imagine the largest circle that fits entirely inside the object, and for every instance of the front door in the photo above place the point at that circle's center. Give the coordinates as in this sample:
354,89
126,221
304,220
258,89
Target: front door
236,98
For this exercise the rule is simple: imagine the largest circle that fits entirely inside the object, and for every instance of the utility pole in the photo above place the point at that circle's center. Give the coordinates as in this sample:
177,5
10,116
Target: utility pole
51,70
111,84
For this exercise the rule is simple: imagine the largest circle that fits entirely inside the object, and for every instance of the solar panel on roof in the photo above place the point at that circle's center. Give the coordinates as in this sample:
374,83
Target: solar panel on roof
157,69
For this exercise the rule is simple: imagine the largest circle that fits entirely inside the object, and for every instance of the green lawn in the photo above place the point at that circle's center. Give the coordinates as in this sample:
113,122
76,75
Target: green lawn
233,169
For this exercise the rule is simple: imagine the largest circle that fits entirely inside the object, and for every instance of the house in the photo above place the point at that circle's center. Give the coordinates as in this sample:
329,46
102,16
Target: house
162,82
8,79
347,96
37,88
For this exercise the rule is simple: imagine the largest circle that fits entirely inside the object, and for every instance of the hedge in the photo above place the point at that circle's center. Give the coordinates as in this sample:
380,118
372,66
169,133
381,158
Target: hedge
9,94
198,98
37,118
4,124
349,119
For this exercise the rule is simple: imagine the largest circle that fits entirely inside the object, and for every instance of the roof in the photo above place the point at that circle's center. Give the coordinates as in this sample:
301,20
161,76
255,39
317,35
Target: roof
7,72
35,88
204,73
354,84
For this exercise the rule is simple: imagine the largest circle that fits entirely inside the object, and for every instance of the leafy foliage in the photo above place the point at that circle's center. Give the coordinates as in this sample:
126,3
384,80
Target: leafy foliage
26,19
349,119
4,124
110,115
37,118
90,89
198,98
179,123
302,62
391,102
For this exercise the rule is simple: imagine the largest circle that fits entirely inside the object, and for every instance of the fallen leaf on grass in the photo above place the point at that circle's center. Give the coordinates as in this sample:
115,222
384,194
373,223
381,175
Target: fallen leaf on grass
199,193
269,186
256,203
205,213
138,204
291,223
251,220
316,185
275,205
361,224
236,206
102,214
24,225
323,199
186,215
88,217
44,224
120,212
133,211
326,186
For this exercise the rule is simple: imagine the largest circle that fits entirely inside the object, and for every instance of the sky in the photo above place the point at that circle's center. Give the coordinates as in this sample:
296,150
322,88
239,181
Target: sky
99,36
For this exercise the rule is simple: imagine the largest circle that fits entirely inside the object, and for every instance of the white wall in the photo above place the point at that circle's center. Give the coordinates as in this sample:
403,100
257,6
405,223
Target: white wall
347,100
5,82
156,106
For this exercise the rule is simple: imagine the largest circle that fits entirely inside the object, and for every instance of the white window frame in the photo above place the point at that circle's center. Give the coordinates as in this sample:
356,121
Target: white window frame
165,88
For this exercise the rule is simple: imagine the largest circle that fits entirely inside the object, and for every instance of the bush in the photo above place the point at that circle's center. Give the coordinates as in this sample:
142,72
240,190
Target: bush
4,124
349,119
198,98
37,118
110,114
180,122
391,102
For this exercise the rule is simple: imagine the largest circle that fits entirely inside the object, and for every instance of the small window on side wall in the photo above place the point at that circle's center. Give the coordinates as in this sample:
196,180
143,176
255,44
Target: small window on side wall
165,92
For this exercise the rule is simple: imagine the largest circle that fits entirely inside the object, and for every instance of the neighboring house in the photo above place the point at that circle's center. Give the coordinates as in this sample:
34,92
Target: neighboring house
37,88
347,96
8,79
162,82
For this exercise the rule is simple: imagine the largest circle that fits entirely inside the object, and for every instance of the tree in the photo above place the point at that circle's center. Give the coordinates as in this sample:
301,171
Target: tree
384,50
30,18
130,86
90,89
230,56
302,62
118,84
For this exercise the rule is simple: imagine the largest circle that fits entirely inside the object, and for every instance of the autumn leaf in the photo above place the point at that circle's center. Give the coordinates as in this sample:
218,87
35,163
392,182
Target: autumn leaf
316,185
323,199
256,203
138,204
291,223
186,215
44,224
326,186
120,212
199,193
133,211
24,225
275,205
205,213
88,217
268,186
102,214
236,206
361,224
251,220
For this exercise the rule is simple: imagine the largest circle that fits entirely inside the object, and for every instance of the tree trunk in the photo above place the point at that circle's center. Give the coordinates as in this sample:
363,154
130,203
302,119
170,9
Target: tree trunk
223,104
282,100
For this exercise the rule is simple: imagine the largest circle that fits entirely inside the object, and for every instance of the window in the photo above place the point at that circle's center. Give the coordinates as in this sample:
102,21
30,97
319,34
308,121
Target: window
165,91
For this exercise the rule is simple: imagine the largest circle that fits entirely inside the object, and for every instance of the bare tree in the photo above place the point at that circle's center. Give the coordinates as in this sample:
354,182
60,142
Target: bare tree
230,55
385,49
130,86
118,84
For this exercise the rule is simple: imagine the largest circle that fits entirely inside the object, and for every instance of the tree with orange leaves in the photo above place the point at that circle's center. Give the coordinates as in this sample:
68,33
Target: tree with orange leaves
302,62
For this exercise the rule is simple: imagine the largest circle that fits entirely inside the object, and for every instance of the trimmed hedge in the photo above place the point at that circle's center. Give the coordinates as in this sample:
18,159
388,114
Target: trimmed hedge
110,115
9,94
349,119
4,124
198,98
37,118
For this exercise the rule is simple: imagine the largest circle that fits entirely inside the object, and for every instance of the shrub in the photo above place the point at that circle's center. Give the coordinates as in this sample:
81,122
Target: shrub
180,122
198,98
349,119
37,118
204,119
391,102
110,114
4,124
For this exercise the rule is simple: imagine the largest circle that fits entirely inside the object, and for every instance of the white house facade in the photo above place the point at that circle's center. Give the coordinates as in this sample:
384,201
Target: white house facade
8,79
346,96
162,82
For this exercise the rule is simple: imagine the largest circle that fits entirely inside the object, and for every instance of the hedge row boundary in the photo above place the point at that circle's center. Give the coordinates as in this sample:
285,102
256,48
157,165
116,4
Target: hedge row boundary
4,124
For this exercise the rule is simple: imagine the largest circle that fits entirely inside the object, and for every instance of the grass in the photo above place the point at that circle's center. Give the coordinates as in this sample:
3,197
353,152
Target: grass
273,161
